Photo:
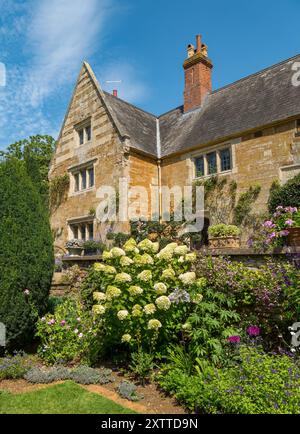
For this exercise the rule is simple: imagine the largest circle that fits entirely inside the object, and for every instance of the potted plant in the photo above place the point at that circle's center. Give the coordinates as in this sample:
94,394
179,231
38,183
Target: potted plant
75,247
224,236
92,247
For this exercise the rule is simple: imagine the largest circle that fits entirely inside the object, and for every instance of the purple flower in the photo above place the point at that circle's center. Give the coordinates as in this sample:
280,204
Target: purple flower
234,339
272,235
80,335
289,222
269,224
253,331
63,322
283,233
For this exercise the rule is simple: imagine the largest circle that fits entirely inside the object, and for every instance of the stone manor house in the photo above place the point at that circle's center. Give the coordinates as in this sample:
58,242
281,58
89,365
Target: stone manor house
248,131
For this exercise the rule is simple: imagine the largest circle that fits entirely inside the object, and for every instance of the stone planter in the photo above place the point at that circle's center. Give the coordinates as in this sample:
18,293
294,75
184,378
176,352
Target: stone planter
75,251
91,252
225,243
294,237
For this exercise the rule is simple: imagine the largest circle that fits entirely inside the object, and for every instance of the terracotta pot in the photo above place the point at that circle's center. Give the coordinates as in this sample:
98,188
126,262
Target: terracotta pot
225,243
294,237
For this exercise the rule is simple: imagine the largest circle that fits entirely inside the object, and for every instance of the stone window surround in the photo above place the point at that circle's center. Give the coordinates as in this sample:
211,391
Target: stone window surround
209,150
73,170
79,222
82,126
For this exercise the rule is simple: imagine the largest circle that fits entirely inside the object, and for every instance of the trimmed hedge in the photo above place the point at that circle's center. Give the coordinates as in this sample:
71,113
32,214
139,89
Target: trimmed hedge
26,253
285,195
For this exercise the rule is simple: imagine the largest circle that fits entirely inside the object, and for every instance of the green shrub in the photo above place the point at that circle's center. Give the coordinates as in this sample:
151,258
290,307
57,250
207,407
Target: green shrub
285,195
141,365
143,295
222,230
26,258
70,334
12,367
259,384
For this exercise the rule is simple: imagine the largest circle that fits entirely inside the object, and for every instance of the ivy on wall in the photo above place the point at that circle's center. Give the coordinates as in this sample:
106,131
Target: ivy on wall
58,190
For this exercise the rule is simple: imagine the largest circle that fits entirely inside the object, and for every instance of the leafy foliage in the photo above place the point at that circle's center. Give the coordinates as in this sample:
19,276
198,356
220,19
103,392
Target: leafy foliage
15,366
141,365
26,257
222,230
58,190
128,390
285,195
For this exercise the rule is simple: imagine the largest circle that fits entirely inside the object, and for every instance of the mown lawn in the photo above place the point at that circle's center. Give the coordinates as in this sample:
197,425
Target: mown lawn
65,398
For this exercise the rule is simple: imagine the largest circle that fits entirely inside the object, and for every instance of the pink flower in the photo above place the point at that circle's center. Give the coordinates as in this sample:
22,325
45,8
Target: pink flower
80,335
63,322
289,222
234,339
253,331
269,224
51,322
272,235
283,233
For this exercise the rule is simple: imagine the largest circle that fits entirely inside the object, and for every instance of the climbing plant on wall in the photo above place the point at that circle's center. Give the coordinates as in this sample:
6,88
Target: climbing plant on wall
58,190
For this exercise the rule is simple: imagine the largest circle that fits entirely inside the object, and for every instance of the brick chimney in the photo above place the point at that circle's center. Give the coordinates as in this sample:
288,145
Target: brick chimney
197,75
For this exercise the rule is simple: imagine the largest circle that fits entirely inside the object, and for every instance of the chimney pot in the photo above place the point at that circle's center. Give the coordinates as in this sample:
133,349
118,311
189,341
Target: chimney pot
115,92
198,43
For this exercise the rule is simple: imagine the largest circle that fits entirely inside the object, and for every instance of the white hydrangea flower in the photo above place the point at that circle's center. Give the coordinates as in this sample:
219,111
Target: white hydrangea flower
137,310
135,290
149,309
98,266
187,278
130,245
163,302
165,254
116,252
125,261
126,337
181,250
122,314
98,309
109,269
186,326
106,255
154,324
181,259
148,246
169,273
99,296
145,276
112,292
191,257
160,288
123,278
144,259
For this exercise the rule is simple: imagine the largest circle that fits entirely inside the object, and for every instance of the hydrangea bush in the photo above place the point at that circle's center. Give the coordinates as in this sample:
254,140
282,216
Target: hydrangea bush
145,293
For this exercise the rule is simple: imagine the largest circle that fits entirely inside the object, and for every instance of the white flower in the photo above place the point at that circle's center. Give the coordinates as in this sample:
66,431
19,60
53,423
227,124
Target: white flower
186,326
148,246
135,290
149,309
126,337
171,246
163,302
99,296
169,273
99,267
144,259
112,292
187,278
181,250
109,269
98,309
106,255
123,277
116,252
160,288
145,275
166,254
122,314
125,261
181,259
191,257
137,310
130,245
154,324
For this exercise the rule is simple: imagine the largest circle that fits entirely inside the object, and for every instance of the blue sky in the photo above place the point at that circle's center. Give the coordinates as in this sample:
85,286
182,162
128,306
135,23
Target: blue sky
141,42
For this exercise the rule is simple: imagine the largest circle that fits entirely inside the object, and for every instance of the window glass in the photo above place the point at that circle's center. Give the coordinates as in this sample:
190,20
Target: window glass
225,159
91,177
81,137
91,231
83,179
76,177
88,133
82,231
75,232
212,163
199,163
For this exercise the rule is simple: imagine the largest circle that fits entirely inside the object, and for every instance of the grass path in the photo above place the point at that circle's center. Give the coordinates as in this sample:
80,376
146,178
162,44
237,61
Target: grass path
64,398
